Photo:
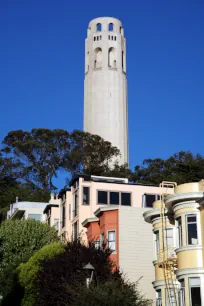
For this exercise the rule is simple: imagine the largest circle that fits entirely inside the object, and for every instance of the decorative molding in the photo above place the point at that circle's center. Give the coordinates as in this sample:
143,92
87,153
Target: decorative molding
187,204
192,212
183,272
183,196
188,248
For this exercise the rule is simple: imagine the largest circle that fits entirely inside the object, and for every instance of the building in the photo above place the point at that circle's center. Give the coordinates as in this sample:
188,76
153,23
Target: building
88,193
105,85
52,212
124,231
27,210
44,212
178,230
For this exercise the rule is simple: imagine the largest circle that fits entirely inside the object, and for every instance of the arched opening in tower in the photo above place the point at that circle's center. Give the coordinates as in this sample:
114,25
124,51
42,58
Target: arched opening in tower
98,58
112,58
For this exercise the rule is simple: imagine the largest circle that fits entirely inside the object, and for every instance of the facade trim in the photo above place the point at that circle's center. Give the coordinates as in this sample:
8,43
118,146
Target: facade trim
188,248
187,272
183,196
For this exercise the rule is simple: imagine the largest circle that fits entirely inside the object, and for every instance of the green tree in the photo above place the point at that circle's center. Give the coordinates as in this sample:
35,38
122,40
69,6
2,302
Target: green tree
182,167
39,154
89,154
28,271
20,239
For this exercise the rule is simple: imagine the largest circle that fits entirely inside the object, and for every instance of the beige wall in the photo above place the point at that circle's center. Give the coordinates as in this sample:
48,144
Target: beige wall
136,248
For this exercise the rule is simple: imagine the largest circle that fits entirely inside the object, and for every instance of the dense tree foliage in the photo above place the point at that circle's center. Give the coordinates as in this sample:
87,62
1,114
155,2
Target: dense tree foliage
27,272
55,276
19,240
111,293
30,160
182,167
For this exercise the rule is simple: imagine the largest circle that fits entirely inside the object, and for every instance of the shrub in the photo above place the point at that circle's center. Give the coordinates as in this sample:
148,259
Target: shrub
111,293
62,277
28,271
19,240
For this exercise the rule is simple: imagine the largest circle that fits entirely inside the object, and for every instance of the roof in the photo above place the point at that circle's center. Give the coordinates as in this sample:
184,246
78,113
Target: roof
48,207
63,191
89,220
102,209
108,180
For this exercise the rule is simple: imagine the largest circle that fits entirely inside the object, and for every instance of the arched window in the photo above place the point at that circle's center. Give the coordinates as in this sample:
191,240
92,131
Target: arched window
98,58
98,27
110,27
120,29
112,58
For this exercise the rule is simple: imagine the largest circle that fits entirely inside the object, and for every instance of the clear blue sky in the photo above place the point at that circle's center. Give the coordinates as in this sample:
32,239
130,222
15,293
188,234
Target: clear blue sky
42,69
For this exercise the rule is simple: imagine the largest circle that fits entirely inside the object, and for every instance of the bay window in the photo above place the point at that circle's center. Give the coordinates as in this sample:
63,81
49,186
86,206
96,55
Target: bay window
192,233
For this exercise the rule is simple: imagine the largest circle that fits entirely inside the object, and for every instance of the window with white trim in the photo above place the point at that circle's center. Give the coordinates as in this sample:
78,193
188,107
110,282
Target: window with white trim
179,232
111,241
195,292
158,298
169,237
181,294
97,244
148,199
192,233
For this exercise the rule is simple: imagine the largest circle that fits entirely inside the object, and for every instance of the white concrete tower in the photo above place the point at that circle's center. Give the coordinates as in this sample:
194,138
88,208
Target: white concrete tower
105,87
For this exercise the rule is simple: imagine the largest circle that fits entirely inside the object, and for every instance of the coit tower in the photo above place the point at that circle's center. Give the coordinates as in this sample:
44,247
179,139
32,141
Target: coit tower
105,87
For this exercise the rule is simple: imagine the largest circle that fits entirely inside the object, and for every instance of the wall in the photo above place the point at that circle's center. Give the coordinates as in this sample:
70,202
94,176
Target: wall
136,248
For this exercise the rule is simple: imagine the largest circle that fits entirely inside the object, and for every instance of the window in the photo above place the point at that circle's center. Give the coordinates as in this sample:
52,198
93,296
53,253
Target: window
101,240
111,241
97,37
102,197
148,199
109,37
97,244
122,60
125,198
171,298
157,245
192,229
69,211
120,29
98,27
63,216
115,37
86,196
75,231
179,232
36,217
94,38
76,205
159,298
56,224
181,295
195,294
110,27
114,198
169,237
